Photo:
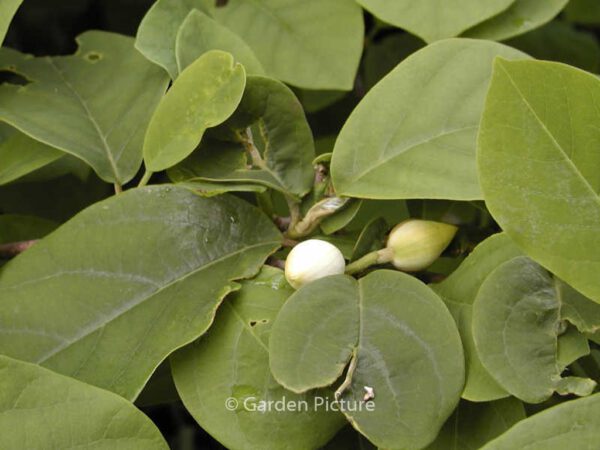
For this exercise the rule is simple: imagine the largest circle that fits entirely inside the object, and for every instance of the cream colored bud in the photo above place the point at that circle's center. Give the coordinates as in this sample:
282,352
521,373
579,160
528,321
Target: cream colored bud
311,260
416,244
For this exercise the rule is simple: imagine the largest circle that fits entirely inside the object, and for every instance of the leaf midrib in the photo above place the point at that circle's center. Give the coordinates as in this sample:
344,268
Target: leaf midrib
556,144
91,119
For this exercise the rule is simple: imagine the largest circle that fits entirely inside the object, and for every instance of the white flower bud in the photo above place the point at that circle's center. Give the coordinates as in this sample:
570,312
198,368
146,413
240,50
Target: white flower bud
311,260
416,244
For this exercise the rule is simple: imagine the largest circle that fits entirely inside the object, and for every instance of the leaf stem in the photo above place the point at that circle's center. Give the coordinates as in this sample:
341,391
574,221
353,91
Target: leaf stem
315,215
8,251
118,188
245,137
146,178
348,379
382,256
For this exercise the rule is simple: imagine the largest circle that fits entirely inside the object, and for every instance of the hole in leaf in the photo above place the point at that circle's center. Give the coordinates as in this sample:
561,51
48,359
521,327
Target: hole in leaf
93,56
253,323
11,77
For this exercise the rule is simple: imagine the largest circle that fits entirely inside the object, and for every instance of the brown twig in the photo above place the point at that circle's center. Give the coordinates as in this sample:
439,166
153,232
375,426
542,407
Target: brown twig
8,251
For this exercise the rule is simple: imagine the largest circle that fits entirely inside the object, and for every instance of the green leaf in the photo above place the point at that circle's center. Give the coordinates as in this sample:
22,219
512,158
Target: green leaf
199,34
8,8
69,105
432,20
538,167
212,188
515,325
572,345
371,238
474,424
21,155
341,218
205,95
157,33
572,424
269,120
559,41
111,293
521,17
414,136
402,342
232,361
458,292
42,409
314,44
578,309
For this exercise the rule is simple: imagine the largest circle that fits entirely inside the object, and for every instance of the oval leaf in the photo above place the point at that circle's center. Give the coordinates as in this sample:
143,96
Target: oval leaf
69,104
433,20
204,95
573,424
400,338
112,292
414,136
199,33
269,132
8,8
314,44
157,34
42,409
232,361
539,168
515,326
459,291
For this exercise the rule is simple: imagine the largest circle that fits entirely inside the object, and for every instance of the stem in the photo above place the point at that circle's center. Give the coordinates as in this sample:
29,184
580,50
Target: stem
348,380
382,256
146,178
315,216
118,188
247,141
8,251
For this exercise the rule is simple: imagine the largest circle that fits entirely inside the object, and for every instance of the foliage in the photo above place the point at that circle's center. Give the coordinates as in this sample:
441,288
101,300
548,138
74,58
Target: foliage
430,171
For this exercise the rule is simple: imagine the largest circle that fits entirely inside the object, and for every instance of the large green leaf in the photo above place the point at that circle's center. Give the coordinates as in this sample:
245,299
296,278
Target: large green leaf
474,424
459,291
21,155
270,119
433,20
516,320
199,33
314,44
572,424
521,17
203,96
111,293
8,8
401,341
40,409
69,104
414,136
157,33
232,361
539,168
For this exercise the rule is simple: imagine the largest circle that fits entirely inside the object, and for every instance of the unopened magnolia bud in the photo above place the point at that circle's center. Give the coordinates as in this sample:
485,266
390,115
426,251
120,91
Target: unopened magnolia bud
311,260
416,244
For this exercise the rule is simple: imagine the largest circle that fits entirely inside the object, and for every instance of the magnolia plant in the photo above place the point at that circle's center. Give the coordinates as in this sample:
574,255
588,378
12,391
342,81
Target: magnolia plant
268,224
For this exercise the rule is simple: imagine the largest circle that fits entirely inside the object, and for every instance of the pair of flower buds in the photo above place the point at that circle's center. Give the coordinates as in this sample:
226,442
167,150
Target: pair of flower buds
412,245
